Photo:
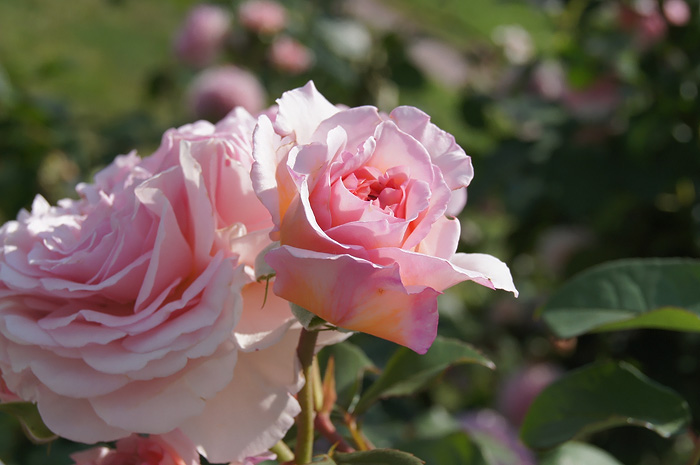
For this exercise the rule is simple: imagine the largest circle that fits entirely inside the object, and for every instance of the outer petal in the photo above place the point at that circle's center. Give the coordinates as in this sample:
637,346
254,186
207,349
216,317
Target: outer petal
442,239
455,165
262,325
439,273
358,295
359,124
258,405
275,192
91,428
301,111
496,271
457,202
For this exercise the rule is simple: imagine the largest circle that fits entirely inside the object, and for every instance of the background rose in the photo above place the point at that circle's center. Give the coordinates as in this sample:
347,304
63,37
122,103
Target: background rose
216,91
202,36
171,449
359,200
262,16
121,311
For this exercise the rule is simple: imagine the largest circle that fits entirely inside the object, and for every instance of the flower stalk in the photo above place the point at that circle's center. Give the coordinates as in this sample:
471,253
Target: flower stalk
305,420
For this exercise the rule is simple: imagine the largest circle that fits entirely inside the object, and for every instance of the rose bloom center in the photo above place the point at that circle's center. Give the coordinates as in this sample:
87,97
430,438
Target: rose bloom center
385,190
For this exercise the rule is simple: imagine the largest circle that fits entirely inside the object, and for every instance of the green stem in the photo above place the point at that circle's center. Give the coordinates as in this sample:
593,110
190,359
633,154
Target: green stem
283,452
305,420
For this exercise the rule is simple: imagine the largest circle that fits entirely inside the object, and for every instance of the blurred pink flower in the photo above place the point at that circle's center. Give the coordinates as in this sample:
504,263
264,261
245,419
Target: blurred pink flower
440,61
520,389
491,429
217,91
548,80
200,39
377,15
288,55
644,21
596,101
263,16
170,449
677,12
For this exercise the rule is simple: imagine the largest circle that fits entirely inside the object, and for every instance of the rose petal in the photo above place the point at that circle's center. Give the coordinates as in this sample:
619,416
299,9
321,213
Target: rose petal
357,295
442,240
271,183
263,400
455,165
91,428
262,325
301,111
439,273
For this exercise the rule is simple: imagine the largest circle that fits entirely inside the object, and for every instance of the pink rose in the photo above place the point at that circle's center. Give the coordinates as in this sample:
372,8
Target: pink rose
677,12
596,101
644,20
216,91
263,16
134,308
290,56
170,449
203,34
360,203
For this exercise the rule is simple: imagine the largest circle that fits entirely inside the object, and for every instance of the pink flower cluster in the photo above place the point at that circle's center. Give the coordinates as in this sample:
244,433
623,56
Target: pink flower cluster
649,23
220,88
135,309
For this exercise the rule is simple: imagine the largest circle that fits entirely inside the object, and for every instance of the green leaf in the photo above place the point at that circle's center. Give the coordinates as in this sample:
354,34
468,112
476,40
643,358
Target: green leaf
408,372
32,424
378,457
598,397
452,449
351,364
628,294
578,453
307,319
262,269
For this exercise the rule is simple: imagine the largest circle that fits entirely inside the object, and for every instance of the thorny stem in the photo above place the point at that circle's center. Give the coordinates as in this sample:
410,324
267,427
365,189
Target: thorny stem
305,420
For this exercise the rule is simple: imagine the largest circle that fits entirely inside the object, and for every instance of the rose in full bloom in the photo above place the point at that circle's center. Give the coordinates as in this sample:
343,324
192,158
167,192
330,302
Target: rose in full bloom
361,203
202,36
134,309
171,449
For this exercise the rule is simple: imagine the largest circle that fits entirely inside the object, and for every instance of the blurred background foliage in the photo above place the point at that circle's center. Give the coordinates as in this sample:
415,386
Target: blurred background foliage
581,118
